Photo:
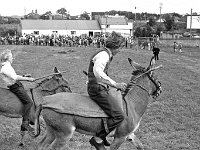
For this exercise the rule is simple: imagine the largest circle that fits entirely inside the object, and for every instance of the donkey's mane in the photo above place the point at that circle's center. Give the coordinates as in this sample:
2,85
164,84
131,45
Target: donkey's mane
41,82
135,73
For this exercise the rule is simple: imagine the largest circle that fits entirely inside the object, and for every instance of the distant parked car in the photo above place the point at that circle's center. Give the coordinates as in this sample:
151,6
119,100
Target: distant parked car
186,34
195,36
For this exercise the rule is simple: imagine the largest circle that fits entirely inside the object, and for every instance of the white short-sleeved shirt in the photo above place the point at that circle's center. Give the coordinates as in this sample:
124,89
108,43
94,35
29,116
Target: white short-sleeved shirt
100,61
8,74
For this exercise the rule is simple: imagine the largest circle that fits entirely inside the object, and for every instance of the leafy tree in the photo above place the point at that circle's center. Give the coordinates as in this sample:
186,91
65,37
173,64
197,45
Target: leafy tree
5,32
46,15
195,13
112,12
144,31
151,22
9,20
62,11
149,31
85,15
169,22
159,29
176,15
138,32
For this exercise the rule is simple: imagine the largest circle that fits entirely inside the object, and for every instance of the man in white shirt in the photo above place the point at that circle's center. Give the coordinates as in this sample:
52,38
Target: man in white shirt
98,82
12,80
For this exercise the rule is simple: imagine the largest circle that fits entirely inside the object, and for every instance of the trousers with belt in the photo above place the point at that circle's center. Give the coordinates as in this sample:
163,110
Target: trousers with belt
100,95
19,91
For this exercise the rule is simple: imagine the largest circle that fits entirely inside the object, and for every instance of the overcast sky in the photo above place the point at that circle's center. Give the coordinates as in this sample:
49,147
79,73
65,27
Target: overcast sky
76,7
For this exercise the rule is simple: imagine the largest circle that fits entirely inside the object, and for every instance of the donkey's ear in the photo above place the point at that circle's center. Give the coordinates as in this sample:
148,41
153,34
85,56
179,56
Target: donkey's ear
58,73
56,70
134,65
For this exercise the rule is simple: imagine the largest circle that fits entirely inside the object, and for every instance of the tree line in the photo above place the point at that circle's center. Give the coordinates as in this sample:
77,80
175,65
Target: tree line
172,21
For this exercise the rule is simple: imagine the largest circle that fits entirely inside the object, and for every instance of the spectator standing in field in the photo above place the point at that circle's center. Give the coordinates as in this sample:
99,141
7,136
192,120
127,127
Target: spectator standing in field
126,43
149,46
180,47
175,45
156,51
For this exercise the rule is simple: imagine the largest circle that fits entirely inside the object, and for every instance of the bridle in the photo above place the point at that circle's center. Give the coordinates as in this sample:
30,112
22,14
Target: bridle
157,84
52,91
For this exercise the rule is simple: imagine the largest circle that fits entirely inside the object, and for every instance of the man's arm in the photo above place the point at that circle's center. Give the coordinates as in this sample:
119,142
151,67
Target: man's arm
100,61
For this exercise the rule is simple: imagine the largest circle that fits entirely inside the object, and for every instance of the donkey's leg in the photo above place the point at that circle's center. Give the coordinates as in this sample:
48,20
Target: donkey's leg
47,139
62,137
117,142
135,141
22,133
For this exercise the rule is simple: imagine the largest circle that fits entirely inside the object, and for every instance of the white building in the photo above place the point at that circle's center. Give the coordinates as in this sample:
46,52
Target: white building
61,27
117,24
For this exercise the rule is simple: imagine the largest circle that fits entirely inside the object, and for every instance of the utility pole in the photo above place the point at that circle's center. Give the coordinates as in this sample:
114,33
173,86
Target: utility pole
191,24
24,11
160,6
106,24
134,21
135,14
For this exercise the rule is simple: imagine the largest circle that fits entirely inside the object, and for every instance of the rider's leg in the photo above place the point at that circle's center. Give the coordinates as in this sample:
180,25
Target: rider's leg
108,103
19,91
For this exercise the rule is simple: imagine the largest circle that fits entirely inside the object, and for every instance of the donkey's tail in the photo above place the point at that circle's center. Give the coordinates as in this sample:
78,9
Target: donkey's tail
37,121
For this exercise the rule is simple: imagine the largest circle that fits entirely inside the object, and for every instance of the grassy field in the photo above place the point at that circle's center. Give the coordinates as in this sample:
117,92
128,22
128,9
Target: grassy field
170,123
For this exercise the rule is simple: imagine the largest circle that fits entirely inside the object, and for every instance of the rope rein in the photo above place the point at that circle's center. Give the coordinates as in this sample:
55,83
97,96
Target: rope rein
133,83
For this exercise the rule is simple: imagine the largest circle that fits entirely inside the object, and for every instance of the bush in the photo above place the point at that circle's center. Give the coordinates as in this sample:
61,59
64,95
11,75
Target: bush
5,32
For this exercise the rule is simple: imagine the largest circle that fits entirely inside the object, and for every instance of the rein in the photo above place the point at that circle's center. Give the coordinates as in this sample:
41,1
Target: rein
133,83
50,75
53,91
34,103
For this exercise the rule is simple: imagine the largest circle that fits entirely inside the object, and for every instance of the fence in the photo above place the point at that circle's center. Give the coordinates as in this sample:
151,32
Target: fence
193,42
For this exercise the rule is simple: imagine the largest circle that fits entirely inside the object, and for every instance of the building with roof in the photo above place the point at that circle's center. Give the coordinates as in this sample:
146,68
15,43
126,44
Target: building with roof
116,23
61,27
78,27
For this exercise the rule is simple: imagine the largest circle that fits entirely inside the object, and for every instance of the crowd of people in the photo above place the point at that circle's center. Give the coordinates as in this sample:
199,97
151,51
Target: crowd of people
60,40
52,40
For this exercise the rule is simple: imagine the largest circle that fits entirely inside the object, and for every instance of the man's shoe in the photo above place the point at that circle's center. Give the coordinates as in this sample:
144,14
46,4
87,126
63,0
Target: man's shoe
105,142
98,146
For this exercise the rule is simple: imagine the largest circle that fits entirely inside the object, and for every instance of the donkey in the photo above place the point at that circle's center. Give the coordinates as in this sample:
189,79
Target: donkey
11,106
65,113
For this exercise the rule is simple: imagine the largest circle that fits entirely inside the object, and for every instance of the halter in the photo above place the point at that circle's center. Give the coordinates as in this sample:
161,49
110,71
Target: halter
156,83
53,91
50,92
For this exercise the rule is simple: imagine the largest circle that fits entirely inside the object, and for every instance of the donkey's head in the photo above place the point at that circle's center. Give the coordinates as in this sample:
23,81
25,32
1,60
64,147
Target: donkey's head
54,84
51,85
145,76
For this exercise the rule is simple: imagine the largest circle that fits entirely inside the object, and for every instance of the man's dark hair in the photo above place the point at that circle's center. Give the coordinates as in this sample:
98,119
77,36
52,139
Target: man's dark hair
114,40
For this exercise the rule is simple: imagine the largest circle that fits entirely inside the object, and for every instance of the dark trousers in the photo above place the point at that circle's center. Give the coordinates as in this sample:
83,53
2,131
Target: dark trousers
100,95
19,91
156,56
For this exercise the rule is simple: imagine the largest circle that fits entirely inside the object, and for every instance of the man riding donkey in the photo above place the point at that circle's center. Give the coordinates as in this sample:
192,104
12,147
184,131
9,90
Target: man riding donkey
99,82
12,81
